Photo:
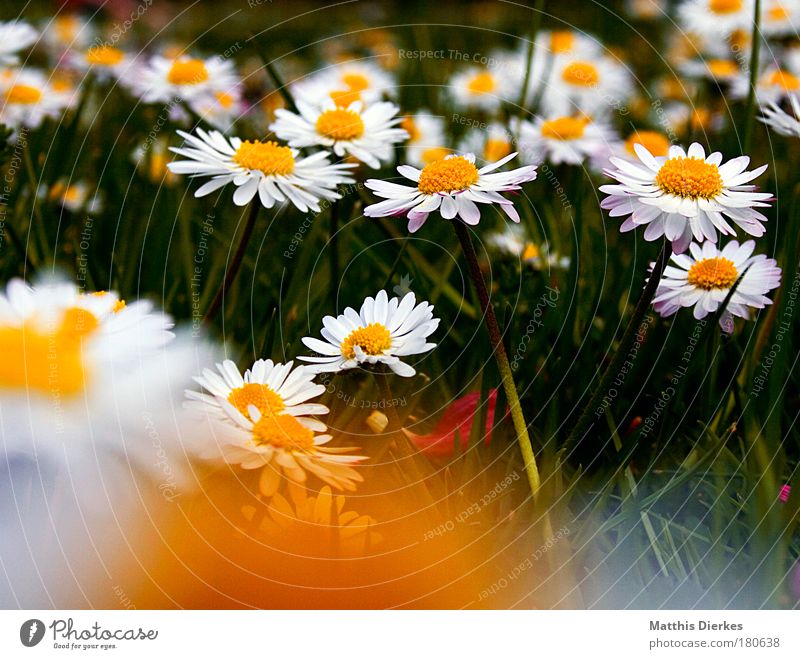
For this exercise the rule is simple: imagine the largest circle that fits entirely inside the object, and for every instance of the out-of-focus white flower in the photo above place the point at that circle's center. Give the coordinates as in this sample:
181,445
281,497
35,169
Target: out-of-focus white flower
715,19
490,144
426,138
513,242
345,83
220,109
780,18
27,97
74,197
773,85
482,88
564,140
163,79
14,37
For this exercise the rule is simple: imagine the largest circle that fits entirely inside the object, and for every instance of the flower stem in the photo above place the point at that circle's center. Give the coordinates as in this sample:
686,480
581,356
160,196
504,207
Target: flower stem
628,336
751,97
238,257
496,340
334,251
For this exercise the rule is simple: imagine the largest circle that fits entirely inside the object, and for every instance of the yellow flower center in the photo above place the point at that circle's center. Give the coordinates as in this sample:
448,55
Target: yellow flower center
104,55
655,142
530,252
66,27
565,128
714,273
582,74
496,149
355,82
282,431
224,99
435,153
483,83
23,94
725,6
340,124
262,397
720,68
778,13
562,41
373,339
448,175
691,178
784,80
187,72
739,39
48,360
267,157
344,97
408,125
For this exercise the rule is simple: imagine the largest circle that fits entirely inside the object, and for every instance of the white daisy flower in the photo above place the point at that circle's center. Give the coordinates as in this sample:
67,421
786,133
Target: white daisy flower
27,98
482,88
782,122
381,333
715,19
14,37
426,138
272,388
163,79
773,85
453,186
489,144
563,139
646,10
720,70
589,86
275,172
368,134
346,83
513,242
780,18
281,444
220,109
685,195
65,32
74,196
104,61
703,278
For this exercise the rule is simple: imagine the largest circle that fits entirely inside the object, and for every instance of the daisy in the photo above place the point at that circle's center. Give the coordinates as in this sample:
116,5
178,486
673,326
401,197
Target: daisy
381,333
563,139
490,144
366,133
272,388
685,195
513,242
773,85
481,88
453,186
163,79
426,138
703,278
15,36
75,196
65,32
27,98
715,19
720,70
280,444
276,173
345,83
781,121
220,109
780,18
105,61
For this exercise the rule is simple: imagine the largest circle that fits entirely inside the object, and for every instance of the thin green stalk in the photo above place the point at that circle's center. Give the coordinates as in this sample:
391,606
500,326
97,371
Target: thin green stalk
36,212
536,24
496,340
750,115
625,343
333,245
238,257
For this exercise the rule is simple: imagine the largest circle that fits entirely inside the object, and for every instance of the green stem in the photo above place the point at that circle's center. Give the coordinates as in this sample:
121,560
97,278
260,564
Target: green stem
751,97
535,26
238,257
496,340
620,355
334,251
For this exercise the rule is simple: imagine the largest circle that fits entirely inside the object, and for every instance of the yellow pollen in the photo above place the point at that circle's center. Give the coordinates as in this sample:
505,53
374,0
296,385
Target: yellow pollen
355,82
373,339
583,74
690,178
655,142
481,84
119,305
565,128
340,124
530,252
778,13
187,72
725,6
66,27
224,99
408,125
282,431
104,55
434,153
448,175
720,68
714,273
562,41
267,157
784,80
262,397
23,94
344,97
496,149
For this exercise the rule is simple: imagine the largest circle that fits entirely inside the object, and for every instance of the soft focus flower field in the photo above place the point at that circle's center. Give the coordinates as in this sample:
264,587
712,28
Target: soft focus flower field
457,304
